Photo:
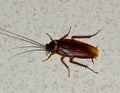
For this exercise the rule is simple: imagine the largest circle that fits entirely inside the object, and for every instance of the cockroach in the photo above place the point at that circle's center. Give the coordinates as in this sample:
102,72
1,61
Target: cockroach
64,47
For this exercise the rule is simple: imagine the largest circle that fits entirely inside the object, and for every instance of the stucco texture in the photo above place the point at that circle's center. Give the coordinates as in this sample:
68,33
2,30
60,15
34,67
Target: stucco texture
27,73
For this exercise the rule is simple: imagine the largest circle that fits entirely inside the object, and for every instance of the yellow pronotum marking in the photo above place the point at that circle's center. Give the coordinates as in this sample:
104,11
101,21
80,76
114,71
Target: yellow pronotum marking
56,46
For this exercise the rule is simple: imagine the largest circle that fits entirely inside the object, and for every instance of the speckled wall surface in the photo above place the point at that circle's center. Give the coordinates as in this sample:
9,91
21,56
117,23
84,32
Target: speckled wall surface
27,73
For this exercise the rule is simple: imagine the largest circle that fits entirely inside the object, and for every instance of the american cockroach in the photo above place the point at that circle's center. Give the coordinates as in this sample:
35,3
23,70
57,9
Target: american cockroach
64,47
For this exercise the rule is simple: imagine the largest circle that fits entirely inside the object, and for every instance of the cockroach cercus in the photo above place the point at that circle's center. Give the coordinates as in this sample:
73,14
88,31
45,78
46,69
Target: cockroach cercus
64,47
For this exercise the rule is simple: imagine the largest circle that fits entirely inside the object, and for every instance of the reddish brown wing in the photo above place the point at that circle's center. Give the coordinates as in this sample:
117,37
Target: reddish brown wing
71,47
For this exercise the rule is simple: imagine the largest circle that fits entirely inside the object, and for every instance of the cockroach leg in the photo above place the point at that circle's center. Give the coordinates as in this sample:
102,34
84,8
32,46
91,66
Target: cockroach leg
89,36
65,65
92,60
48,57
71,60
66,34
49,37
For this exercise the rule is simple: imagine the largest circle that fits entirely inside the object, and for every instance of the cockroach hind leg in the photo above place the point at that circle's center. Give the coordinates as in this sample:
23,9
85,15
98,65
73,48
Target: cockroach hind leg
71,60
92,60
65,65
48,57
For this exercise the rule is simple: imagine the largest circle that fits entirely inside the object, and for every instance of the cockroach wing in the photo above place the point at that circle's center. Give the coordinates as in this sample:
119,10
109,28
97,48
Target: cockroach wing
74,48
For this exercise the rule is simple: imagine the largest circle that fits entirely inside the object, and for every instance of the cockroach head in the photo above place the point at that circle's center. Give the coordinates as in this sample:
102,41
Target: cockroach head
52,46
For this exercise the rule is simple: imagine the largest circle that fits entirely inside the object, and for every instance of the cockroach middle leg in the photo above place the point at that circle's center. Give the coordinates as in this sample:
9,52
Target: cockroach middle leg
66,34
48,57
65,65
71,60
86,36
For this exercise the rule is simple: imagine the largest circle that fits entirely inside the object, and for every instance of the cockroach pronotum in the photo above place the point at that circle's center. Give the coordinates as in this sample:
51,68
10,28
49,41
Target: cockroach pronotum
64,47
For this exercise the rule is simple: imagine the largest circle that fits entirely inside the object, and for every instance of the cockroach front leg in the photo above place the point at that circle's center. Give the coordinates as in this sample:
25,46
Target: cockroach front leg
86,36
65,65
71,60
48,57
49,37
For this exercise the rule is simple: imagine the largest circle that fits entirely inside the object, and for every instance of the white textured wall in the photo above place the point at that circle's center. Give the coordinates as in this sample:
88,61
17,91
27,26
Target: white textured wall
34,18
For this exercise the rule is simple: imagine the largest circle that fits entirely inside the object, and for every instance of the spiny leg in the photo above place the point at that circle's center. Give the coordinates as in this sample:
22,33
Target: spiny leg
92,60
48,57
71,60
86,36
49,37
65,65
66,34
